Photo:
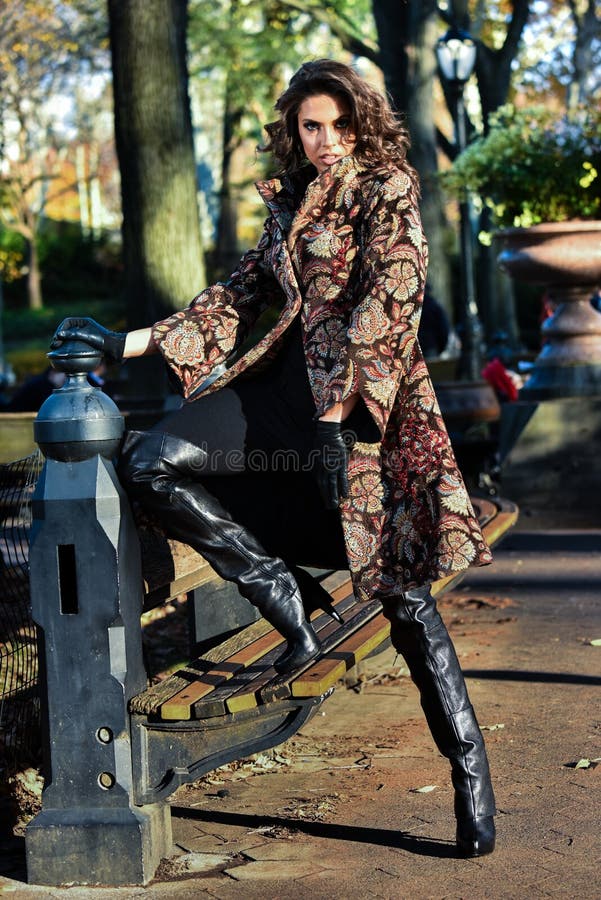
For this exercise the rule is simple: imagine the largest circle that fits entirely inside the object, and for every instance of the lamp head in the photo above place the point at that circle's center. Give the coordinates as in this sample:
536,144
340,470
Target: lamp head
456,55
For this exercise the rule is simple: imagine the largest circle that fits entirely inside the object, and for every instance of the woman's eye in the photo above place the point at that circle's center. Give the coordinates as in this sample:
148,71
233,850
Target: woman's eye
343,124
310,126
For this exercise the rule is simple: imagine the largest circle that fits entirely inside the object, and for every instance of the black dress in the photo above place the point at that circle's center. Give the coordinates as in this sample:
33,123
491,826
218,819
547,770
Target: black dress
258,436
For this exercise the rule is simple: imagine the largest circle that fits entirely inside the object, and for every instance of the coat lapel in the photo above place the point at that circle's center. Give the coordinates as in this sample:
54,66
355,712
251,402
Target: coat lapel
292,207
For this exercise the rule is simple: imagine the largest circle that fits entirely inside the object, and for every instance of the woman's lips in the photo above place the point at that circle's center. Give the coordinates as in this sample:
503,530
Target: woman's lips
329,159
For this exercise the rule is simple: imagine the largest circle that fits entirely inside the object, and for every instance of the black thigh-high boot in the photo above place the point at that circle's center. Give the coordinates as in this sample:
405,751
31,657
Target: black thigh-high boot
420,635
161,472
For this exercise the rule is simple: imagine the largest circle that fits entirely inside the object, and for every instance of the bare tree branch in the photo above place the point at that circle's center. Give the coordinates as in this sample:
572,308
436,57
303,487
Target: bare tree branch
493,67
449,148
342,29
517,23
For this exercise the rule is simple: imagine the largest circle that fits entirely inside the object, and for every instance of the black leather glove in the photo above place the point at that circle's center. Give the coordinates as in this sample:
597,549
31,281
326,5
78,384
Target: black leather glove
111,343
331,455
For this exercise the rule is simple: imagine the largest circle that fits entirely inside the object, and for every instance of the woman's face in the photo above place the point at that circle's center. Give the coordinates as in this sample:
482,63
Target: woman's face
324,129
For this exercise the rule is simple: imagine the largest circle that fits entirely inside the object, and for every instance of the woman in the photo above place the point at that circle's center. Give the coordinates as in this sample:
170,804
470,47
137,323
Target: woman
337,389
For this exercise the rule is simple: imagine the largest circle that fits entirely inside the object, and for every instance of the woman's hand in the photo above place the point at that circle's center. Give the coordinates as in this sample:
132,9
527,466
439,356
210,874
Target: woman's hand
110,343
115,345
331,462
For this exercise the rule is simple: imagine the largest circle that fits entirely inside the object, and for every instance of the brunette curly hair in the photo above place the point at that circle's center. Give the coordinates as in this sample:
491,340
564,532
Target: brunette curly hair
381,138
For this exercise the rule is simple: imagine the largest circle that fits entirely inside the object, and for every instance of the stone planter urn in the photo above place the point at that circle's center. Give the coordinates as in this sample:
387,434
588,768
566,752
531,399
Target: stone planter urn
565,257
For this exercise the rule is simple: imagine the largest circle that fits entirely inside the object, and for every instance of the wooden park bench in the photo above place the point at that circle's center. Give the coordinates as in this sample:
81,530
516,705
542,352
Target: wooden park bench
231,694
231,689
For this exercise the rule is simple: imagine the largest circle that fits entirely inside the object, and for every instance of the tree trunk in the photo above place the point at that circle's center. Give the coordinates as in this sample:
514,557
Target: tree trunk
163,258
406,36
34,279
588,30
493,72
226,243
495,293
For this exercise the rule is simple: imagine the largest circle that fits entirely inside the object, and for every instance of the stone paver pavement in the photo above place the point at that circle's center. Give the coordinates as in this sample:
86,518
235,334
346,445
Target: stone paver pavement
359,805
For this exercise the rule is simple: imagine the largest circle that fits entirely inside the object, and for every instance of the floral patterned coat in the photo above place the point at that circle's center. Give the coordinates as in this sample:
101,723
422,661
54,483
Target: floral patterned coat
349,254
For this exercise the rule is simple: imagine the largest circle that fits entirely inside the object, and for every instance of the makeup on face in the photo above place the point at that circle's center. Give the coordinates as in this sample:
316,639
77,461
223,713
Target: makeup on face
324,126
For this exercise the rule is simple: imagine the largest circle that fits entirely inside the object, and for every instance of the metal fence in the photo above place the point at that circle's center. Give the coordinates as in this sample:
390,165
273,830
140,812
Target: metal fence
19,698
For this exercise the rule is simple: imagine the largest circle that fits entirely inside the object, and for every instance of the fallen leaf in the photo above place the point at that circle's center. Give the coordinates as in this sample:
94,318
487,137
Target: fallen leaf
424,790
584,763
596,642
495,727
31,781
282,759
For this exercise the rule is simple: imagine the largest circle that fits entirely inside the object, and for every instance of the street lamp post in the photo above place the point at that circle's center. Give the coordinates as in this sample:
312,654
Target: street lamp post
456,55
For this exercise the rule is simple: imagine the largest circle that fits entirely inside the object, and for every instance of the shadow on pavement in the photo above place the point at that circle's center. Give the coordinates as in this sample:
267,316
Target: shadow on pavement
572,541
524,675
12,853
538,585
379,836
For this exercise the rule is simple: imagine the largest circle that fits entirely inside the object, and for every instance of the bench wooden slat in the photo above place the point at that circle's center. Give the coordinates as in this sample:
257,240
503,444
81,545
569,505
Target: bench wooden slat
215,703
246,686
332,666
502,523
271,686
180,706
150,701
485,510
170,568
333,633
338,585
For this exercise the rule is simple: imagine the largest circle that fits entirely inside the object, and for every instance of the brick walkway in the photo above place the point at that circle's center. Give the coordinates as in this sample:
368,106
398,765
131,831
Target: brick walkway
342,812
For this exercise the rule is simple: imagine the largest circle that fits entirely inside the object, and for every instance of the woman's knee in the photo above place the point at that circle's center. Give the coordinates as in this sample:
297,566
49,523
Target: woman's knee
138,458
153,458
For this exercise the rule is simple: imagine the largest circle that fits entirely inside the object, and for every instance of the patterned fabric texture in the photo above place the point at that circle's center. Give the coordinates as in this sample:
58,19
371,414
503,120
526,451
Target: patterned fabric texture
346,250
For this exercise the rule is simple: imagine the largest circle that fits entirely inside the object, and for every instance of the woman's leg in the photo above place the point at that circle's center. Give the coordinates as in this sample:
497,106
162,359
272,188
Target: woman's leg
161,471
420,635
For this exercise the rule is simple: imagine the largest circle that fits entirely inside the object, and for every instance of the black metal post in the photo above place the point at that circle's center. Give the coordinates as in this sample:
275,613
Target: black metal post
86,597
470,360
2,363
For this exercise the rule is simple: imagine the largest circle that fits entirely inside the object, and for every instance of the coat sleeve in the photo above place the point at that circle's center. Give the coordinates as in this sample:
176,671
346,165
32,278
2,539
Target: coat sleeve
382,329
195,340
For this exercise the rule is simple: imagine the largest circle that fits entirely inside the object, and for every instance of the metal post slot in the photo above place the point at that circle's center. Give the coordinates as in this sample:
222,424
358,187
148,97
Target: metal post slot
67,580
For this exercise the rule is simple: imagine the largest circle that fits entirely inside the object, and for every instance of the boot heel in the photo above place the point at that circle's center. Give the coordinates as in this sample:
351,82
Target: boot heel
476,837
314,595
333,613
